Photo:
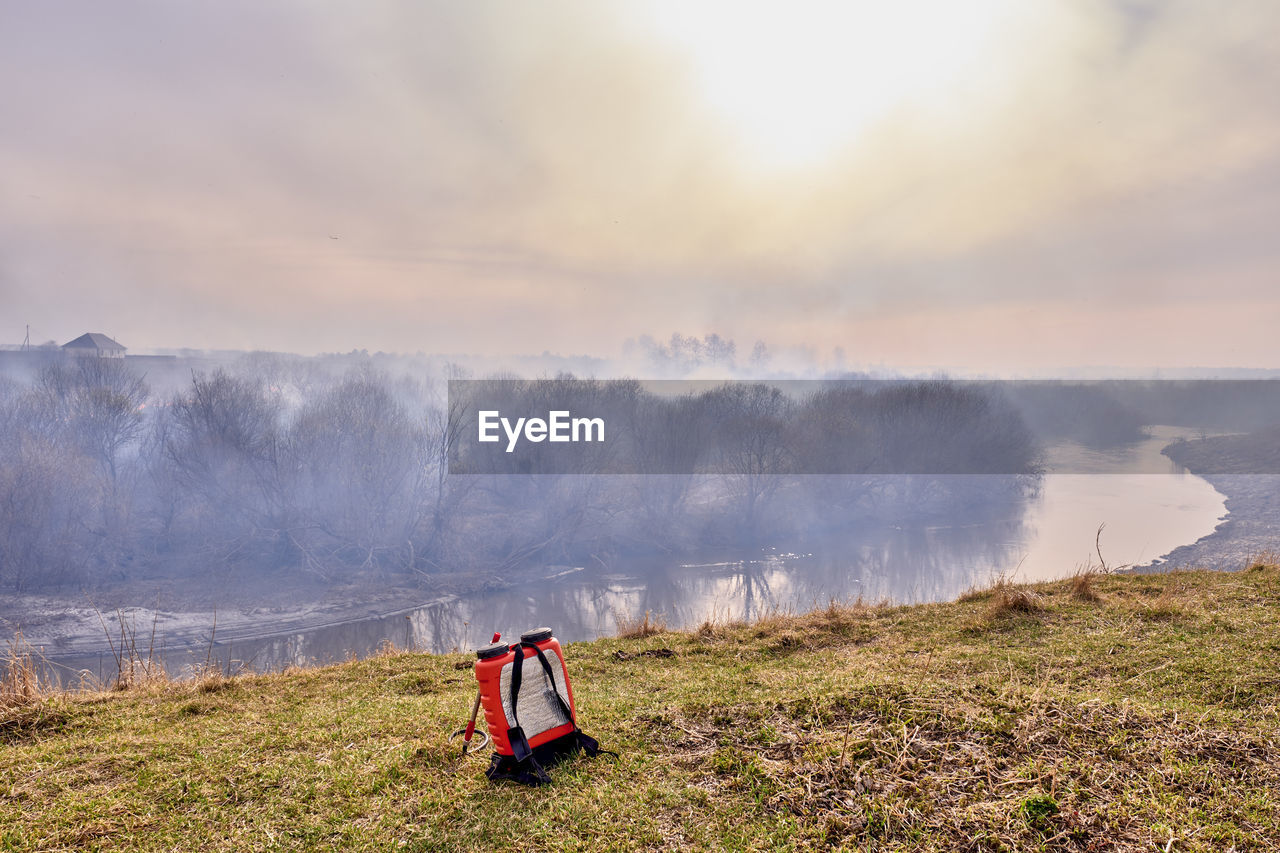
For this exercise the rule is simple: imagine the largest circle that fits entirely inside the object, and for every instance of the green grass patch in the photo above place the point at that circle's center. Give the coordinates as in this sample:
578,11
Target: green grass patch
1139,710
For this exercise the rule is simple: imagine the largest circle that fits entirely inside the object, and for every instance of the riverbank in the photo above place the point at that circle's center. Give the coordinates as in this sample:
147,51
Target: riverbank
193,612
1250,530
1110,713
1246,470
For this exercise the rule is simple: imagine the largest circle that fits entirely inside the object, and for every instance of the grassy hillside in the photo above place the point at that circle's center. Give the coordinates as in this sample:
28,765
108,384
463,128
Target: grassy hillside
1131,713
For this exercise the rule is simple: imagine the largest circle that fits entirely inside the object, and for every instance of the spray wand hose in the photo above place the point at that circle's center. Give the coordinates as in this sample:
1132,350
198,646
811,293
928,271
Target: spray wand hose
470,728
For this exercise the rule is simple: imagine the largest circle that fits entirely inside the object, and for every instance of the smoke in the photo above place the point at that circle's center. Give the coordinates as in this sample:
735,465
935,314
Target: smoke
501,179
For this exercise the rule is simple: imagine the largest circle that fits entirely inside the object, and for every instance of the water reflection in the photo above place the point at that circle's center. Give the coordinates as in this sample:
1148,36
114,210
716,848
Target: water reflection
886,562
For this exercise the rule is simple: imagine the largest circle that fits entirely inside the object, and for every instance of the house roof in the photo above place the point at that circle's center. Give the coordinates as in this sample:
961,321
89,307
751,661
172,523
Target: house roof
94,340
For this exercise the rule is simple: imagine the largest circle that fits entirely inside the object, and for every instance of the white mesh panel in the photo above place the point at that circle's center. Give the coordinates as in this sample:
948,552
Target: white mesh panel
538,708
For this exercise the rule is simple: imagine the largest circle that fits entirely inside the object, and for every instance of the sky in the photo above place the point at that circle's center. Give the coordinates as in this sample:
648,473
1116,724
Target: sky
993,184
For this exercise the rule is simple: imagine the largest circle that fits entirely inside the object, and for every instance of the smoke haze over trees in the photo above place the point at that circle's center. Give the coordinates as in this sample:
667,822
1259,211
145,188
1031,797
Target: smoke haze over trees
328,472
327,469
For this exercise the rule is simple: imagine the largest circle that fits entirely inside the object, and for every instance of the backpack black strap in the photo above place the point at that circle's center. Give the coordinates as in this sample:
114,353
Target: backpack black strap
515,735
590,745
549,673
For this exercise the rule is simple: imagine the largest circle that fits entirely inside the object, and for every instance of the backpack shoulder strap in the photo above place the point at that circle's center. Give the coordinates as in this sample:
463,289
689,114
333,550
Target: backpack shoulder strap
549,672
520,749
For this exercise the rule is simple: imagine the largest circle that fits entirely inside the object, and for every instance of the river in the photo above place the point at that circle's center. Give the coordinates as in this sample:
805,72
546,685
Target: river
1149,507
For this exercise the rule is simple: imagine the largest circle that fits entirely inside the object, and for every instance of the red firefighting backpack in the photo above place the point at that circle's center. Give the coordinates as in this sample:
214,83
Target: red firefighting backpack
530,714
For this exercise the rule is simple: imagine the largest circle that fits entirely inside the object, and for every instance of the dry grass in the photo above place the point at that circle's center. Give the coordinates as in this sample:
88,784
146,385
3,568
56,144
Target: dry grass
30,694
208,678
638,629
834,625
1170,604
24,683
138,673
709,631
717,629
20,683
1010,599
134,668
1264,561
896,764
1084,586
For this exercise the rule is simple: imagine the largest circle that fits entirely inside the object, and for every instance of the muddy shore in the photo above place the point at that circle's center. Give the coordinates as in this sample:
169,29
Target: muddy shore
189,613
1233,465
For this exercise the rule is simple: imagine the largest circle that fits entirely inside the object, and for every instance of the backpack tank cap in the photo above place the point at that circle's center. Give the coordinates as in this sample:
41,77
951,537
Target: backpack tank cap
492,650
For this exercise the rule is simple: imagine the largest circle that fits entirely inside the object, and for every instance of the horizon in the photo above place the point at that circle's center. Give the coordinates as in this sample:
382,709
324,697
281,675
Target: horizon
795,363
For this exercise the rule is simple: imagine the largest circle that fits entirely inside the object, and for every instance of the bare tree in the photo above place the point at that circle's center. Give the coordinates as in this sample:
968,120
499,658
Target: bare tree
751,425
360,458
47,491
444,424
220,445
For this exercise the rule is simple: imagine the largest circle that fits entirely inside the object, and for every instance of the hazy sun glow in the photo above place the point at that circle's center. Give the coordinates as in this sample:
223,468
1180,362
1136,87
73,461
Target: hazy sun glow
797,80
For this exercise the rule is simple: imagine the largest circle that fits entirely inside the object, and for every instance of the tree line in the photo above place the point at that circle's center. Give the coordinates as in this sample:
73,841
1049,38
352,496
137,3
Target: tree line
103,479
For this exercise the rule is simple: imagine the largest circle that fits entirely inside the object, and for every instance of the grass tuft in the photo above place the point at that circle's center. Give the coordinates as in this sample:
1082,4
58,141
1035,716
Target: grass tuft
210,679
1266,561
638,629
1084,586
1009,599
21,686
1038,810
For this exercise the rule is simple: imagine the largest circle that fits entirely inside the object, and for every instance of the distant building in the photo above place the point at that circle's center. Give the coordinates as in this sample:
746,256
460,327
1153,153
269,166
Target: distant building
94,344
